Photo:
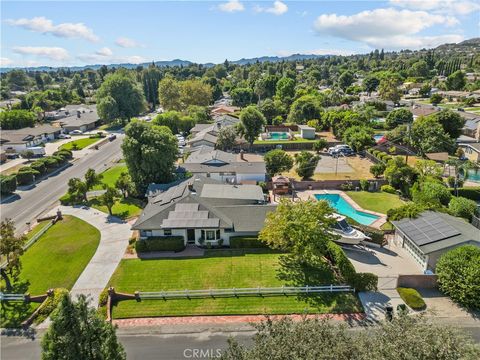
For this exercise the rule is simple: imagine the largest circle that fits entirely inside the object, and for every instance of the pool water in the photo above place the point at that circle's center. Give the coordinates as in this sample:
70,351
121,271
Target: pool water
278,136
473,175
344,208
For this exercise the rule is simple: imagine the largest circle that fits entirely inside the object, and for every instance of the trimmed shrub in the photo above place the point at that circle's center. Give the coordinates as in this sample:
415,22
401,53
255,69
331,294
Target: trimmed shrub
67,199
364,185
26,175
160,243
412,298
388,189
241,242
364,282
459,206
64,153
337,256
50,163
472,193
8,184
38,166
50,304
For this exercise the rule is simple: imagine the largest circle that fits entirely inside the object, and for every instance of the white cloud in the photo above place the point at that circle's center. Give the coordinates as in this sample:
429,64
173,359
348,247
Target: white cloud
104,52
278,8
53,53
46,26
389,28
461,7
127,43
5,61
231,6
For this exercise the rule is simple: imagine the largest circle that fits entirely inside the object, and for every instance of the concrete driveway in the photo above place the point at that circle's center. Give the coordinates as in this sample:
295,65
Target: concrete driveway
327,165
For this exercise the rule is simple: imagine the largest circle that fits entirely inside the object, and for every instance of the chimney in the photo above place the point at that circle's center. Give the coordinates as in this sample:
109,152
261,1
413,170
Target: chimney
190,188
242,155
78,114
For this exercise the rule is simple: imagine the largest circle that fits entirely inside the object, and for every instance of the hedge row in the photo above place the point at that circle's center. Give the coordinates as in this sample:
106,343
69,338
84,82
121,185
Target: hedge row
412,298
245,242
380,155
8,184
160,243
50,304
472,193
359,281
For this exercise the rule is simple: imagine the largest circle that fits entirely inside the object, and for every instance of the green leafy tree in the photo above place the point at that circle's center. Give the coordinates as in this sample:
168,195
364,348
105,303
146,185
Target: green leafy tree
320,144
451,122
11,250
251,123
419,69
306,163
425,90
92,179
388,88
359,137
285,90
277,161
226,139
428,136
78,332
109,108
305,108
126,92
195,92
456,80
458,274
398,117
151,77
462,207
124,183
170,119
428,169
422,338
18,80
428,192
17,119
77,189
377,170
242,96
436,99
170,93
268,109
399,174
345,80
109,197
371,83
150,152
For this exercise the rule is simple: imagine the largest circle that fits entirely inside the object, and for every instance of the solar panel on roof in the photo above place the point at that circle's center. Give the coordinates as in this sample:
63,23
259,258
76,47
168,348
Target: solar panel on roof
186,207
427,229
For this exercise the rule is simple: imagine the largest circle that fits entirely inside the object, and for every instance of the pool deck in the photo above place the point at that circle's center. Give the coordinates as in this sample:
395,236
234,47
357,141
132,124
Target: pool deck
310,194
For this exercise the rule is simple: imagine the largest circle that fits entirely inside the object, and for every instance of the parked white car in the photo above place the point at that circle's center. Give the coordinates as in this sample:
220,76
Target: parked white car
76,132
64,136
338,149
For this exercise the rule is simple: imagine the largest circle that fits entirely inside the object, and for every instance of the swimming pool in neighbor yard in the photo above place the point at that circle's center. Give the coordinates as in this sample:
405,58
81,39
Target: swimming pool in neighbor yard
278,136
343,207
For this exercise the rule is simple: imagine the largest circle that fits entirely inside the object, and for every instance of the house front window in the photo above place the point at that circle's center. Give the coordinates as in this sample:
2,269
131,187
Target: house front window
210,235
167,232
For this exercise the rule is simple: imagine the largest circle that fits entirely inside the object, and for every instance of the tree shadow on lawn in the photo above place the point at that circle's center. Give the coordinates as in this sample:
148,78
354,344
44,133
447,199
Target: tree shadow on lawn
13,313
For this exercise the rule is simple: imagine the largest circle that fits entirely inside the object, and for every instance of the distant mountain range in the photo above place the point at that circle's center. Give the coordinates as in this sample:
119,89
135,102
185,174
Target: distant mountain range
467,45
175,62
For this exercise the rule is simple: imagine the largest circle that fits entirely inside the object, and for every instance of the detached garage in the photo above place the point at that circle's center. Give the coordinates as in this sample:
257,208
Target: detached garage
432,234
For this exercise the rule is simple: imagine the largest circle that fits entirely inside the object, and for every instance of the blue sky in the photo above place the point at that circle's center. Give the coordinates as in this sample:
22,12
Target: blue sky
63,33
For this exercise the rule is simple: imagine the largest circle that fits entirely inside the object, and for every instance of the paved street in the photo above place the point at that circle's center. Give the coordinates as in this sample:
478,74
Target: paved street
27,205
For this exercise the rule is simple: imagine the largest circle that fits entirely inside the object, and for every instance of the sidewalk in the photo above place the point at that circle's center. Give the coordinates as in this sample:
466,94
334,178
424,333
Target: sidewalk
113,243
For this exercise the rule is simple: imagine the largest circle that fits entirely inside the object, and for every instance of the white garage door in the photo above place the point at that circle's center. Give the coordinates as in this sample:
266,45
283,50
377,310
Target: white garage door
416,254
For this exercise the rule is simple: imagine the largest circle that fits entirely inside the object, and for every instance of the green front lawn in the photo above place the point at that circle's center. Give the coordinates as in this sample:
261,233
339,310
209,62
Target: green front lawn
56,260
379,202
123,208
81,143
110,176
222,269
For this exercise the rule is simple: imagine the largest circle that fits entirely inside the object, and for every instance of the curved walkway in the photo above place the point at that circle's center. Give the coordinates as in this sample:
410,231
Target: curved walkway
113,243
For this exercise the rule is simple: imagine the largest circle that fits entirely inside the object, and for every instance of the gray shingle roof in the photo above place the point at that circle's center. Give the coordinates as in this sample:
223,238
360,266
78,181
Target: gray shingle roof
243,192
24,135
236,167
432,231
207,153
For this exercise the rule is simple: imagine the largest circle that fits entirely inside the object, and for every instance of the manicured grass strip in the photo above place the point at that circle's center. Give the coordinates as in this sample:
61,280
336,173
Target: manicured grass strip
279,142
123,208
412,298
218,271
81,143
56,260
379,202
111,175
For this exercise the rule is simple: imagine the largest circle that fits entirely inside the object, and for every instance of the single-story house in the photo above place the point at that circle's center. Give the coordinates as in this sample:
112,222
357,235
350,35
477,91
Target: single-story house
471,151
306,132
423,110
206,134
223,166
83,118
201,211
471,127
224,109
21,139
432,234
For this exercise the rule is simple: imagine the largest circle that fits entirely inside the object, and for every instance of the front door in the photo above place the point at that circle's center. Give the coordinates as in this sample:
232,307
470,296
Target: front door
190,236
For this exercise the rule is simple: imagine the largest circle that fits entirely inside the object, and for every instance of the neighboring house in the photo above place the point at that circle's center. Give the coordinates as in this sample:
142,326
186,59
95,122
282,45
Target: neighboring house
222,166
207,134
306,132
423,110
201,211
81,117
432,234
223,109
472,125
471,151
21,139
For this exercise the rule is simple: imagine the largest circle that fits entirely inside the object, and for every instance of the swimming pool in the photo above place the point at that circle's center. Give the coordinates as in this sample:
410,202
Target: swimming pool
474,175
344,208
278,136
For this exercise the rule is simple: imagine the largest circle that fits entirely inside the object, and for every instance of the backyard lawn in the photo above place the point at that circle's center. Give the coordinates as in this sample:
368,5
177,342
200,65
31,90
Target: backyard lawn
81,143
111,175
379,202
222,269
124,208
56,260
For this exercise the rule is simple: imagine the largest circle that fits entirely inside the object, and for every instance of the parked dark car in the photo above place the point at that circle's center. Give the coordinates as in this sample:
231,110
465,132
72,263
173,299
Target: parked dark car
112,137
